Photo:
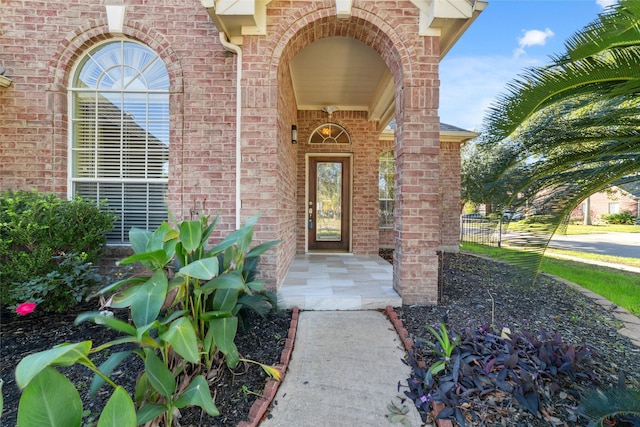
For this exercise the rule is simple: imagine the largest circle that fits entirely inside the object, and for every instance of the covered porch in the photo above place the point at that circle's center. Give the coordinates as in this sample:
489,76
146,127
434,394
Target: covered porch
325,281
330,87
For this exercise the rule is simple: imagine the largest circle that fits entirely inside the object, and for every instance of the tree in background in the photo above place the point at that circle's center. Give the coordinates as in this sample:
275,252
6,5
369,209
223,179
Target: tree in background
569,129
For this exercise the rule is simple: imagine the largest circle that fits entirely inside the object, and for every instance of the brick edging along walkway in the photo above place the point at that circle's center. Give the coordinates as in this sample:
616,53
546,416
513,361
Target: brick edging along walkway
407,342
260,406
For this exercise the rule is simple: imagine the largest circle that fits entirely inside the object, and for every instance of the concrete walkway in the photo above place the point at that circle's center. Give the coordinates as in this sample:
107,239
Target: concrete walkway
344,371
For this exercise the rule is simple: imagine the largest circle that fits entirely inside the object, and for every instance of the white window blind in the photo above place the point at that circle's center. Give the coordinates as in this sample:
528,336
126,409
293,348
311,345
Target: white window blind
120,140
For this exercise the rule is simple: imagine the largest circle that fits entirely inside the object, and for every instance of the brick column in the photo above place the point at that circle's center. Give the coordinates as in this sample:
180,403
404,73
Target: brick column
450,195
417,216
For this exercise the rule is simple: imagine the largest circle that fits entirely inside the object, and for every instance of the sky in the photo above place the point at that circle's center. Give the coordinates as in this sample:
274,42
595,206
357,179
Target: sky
507,37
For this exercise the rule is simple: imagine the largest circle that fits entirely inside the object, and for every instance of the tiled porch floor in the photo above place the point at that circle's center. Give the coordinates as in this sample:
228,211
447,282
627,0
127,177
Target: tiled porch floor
338,282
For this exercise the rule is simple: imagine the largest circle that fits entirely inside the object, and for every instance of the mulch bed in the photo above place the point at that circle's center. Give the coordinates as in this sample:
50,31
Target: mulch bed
478,292
474,288
234,392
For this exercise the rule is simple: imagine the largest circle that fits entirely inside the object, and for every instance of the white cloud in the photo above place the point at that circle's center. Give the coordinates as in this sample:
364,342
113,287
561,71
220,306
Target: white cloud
532,38
606,3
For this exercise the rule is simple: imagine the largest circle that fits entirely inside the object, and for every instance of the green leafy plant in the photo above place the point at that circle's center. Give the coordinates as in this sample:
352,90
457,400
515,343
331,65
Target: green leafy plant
442,348
62,288
184,315
38,231
624,217
398,414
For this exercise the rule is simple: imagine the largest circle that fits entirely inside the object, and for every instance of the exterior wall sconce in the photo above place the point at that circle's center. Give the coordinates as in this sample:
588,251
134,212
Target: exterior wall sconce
294,134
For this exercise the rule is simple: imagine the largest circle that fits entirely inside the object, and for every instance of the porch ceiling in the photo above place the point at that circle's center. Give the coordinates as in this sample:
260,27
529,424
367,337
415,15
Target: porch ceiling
342,72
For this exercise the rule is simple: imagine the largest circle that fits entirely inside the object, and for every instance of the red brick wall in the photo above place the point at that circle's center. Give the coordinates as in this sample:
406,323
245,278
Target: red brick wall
417,148
42,41
450,167
287,173
600,205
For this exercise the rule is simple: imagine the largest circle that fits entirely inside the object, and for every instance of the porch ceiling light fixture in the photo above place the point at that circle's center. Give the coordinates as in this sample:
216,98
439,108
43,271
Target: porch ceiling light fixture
294,134
4,81
330,109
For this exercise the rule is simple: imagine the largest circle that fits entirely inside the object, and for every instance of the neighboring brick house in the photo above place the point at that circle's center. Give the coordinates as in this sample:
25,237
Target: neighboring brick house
616,199
229,108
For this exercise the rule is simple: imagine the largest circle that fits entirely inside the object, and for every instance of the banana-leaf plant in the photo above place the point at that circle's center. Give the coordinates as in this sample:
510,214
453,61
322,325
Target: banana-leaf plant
184,321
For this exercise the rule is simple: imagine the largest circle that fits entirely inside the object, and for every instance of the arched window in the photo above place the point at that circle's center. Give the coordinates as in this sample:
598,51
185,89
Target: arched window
329,133
385,188
120,134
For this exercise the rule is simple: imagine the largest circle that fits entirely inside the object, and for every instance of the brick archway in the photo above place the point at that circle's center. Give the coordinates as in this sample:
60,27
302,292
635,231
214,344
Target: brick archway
413,62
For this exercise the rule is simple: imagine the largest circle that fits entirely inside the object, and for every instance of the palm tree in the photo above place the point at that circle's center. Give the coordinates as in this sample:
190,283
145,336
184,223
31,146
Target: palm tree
571,128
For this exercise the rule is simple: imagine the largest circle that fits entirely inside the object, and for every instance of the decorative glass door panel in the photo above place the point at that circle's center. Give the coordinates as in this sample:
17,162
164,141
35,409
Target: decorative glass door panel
328,207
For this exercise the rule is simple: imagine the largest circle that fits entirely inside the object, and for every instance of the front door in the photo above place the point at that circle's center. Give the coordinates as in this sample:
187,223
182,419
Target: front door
328,209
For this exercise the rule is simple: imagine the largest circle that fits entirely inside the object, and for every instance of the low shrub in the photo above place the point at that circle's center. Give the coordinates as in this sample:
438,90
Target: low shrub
488,372
619,218
38,231
62,288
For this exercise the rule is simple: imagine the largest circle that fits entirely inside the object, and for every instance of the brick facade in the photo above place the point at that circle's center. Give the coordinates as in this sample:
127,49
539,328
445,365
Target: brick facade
600,204
42,42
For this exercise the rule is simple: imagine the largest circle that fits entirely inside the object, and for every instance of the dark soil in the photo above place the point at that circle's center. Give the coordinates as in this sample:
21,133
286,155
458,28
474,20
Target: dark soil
234,392
478,292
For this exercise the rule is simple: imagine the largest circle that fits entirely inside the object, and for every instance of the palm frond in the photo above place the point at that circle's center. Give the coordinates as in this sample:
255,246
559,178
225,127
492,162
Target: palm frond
598,405
540,87
615,27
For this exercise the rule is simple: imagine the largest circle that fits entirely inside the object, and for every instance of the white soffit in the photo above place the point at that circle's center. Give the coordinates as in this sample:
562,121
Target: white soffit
340,71
344,72
447,19
238,18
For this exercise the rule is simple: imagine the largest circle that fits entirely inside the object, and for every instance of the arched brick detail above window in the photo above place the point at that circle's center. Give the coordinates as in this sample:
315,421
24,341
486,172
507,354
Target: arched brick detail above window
85,37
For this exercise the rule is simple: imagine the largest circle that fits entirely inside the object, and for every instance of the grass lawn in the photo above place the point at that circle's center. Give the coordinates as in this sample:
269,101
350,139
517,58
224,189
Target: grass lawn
602,228
620,287
631,262
585,229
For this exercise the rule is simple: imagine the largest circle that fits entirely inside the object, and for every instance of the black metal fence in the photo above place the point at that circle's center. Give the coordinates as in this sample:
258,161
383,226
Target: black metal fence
482,231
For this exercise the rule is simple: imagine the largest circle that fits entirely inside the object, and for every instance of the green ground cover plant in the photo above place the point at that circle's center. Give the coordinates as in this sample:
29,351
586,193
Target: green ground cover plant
619,287
602,228
47,248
